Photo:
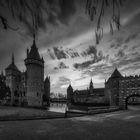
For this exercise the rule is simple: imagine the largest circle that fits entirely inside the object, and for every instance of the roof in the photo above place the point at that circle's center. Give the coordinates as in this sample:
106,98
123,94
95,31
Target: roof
96,91
82,92
47,79
34,54
12,66
116,74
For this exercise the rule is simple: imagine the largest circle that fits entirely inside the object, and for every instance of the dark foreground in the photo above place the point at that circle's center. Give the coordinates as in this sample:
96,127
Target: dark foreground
121,125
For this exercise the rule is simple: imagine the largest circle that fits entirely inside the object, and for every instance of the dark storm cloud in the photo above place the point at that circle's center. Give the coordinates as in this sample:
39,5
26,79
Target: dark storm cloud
51,12
92,50
96,57
120,53
72,53
116,42
60,53
131,37
83,65
61,65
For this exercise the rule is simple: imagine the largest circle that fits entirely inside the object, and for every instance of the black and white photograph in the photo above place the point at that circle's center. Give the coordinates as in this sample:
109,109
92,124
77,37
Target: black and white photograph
69,69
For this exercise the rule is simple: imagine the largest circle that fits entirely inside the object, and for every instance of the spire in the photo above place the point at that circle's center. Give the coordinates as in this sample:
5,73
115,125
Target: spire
33,38
91,85
27,52
13,59
42,59
33,53
91,81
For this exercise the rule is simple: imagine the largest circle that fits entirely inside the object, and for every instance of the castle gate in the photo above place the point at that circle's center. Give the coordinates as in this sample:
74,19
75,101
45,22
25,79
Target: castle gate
128,87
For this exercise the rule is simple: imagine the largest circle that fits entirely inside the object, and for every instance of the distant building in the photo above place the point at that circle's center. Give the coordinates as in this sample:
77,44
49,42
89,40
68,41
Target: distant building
4,90
89,95
116,92
28,87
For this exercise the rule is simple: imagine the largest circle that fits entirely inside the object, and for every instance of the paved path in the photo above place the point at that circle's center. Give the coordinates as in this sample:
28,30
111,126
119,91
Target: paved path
110,126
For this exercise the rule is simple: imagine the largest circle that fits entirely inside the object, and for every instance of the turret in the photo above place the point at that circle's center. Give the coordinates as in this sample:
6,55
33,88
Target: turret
13,59
70,94
91,86
46,96
35,76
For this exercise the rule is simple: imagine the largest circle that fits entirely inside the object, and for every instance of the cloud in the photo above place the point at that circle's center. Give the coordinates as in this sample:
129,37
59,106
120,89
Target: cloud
83,65
92,51
59,53
120,53
51,54
63,80
95,55
72,53
102,70
61,65
131,37
117,42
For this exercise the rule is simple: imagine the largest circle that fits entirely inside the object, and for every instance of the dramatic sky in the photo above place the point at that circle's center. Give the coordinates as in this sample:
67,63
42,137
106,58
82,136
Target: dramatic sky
67,44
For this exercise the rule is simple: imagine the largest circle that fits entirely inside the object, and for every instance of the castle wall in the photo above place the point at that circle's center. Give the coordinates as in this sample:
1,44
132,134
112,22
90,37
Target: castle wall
35,84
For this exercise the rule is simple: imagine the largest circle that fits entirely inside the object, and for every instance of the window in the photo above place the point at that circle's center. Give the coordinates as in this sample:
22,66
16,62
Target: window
37,94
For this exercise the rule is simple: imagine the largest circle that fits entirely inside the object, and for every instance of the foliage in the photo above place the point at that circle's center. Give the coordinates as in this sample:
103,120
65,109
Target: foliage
97,8
32,13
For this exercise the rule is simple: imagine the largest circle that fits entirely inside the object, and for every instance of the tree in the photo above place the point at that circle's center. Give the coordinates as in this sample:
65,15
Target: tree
97,8
32,11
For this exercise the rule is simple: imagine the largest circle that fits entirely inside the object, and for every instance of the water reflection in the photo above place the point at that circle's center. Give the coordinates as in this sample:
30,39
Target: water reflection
57,107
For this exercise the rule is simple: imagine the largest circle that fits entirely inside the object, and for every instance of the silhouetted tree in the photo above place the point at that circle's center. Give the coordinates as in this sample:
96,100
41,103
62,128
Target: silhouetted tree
31,12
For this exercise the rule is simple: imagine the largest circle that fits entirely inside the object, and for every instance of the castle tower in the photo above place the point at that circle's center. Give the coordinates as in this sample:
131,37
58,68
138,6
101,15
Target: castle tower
112,87
12,79
35,76
47,90
70,94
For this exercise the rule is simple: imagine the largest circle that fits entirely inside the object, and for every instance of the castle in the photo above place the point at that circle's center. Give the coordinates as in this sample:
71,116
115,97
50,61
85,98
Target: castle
118,89
88,95
29,87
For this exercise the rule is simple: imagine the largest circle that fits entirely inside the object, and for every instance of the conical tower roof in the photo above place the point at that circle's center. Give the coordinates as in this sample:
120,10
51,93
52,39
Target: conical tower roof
34,54
116,74
12,66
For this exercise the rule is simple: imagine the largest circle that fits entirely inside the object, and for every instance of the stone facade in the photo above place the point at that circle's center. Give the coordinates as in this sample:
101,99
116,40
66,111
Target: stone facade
35,77
28,87
90,95
118,89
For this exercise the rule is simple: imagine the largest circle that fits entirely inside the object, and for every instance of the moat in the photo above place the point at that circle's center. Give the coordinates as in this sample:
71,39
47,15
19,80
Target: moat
57,107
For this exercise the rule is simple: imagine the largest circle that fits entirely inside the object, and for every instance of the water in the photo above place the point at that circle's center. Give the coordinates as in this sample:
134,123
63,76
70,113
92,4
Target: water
57,107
